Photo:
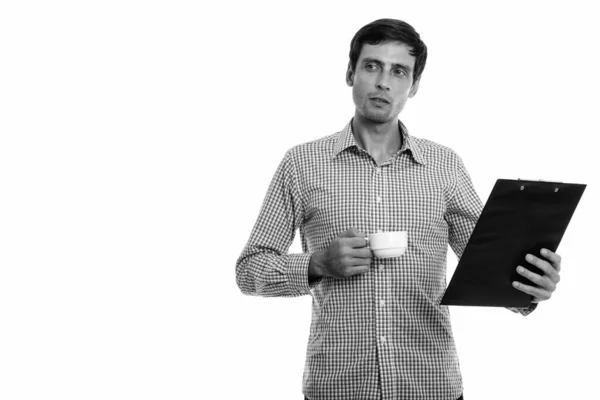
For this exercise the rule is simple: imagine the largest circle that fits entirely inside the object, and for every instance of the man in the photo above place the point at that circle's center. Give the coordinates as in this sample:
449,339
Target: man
377,331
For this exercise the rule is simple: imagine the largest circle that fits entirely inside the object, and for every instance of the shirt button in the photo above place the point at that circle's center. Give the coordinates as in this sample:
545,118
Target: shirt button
378,170
379,199
381,267
383,339
382,303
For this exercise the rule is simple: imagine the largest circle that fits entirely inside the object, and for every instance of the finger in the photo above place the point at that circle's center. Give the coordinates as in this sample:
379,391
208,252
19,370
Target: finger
545,266
362,253
554,258
357,242
542,281
350,261
350,270
350,233
358,269
537,293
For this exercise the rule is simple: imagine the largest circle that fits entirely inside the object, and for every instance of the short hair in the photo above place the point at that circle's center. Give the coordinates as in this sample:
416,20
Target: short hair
390,30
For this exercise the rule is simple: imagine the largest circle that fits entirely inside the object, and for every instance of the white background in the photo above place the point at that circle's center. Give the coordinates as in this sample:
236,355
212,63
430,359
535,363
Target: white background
138,139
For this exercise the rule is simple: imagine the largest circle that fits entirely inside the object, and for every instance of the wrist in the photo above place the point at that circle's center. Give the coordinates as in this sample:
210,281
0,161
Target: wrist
315,266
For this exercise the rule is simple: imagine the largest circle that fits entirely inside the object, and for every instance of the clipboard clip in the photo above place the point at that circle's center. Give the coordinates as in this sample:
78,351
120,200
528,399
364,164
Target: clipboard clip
541,180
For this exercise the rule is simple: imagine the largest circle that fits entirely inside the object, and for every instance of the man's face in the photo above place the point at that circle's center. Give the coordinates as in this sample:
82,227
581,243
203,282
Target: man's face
382,81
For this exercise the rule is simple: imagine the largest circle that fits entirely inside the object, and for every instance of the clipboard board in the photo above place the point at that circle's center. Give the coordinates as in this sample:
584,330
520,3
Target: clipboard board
519,217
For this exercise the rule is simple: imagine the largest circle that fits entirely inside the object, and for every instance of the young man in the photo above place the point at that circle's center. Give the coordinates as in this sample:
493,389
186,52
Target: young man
377,331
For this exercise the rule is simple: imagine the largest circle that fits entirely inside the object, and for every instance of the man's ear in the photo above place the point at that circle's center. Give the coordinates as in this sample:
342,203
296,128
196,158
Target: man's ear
414,88
350,75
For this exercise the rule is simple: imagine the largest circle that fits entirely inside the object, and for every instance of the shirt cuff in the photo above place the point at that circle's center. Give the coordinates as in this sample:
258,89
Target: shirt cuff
525,311
297,273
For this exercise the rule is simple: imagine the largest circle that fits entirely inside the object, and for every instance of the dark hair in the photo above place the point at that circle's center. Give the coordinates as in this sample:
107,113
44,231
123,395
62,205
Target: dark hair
390,30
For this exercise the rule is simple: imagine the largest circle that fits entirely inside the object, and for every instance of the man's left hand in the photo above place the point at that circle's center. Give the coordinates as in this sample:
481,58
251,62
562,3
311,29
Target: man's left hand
546,283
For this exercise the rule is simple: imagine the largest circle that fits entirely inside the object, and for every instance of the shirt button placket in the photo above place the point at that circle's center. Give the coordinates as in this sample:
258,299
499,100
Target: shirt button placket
380,288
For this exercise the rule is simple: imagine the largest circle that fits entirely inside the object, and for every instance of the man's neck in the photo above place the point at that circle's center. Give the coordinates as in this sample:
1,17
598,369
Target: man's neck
380,140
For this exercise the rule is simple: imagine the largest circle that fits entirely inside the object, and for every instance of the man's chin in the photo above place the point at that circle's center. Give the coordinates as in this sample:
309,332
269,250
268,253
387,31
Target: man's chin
379,118
377,115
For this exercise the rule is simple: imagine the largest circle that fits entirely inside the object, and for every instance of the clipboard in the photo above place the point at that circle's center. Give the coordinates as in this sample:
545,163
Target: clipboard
519,217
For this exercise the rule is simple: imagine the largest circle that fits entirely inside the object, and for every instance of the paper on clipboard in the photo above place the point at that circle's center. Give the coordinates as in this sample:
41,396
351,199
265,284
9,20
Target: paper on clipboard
519,217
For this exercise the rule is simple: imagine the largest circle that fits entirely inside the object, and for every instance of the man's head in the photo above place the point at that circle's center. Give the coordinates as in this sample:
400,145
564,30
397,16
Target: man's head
387,58
390,30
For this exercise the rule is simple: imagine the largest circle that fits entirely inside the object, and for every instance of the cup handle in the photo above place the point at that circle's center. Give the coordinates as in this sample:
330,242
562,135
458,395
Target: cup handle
367,239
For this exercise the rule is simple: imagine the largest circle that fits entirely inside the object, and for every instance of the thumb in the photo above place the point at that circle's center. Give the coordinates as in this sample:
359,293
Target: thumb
352,232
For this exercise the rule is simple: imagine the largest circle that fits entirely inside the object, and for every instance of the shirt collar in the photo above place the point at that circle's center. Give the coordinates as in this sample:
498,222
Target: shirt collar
346,140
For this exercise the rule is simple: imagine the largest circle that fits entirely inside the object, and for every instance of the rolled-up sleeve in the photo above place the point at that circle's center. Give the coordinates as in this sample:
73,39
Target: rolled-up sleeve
265,268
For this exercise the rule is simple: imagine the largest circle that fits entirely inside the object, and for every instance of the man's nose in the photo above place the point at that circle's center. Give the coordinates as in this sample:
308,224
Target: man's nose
383,82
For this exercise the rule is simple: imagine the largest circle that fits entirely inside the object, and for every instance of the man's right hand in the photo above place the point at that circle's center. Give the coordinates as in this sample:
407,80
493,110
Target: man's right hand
347,255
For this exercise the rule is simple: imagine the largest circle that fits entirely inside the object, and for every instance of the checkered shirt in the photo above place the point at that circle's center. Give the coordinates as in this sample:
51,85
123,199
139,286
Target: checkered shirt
382,334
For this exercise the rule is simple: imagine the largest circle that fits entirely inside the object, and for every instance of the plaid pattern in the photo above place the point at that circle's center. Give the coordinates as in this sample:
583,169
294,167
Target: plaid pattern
382,334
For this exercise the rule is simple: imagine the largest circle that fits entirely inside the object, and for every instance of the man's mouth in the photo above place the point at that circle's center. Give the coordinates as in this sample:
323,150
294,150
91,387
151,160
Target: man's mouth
380,99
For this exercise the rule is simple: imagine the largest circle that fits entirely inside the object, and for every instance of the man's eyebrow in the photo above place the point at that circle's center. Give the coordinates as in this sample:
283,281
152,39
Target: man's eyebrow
379,62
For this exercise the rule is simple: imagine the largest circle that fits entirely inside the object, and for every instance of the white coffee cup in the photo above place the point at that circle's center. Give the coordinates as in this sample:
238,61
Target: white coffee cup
388,244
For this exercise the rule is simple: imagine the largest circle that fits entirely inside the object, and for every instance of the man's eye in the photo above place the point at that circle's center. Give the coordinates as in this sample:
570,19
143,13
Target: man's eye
400,72
371,67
